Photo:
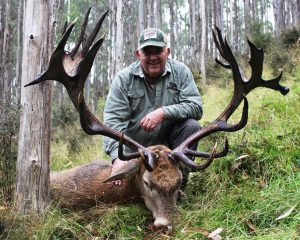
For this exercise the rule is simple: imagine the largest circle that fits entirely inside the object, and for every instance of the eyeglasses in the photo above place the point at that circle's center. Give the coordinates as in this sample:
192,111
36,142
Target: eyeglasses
152,51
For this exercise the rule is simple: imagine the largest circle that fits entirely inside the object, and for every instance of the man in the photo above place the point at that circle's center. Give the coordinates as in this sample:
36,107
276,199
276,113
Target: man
153,101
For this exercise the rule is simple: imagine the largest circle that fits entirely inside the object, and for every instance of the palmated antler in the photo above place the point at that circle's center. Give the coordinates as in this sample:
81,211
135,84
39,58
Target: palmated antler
242,87
71,69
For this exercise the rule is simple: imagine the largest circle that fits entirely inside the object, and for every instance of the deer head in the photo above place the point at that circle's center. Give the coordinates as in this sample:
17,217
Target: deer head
160,177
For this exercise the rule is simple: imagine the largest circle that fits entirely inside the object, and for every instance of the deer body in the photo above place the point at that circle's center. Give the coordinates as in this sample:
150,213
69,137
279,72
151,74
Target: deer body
83,186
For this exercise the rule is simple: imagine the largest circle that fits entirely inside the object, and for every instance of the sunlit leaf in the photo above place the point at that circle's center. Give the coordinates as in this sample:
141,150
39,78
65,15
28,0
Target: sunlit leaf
251,225
287,213
215,235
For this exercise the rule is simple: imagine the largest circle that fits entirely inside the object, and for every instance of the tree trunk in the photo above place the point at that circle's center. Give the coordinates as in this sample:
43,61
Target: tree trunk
6,79
177,33
192,34
112,29
247,18
58,91
209,17
142,15
17,82
119,42
218,15
32,187
203,42
158,15
172,36
278,8
235,26
151,17
6,60
295,12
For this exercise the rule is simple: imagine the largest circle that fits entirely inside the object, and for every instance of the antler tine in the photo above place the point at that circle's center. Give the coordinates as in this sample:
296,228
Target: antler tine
62,43
121,154
256,63
241,88
82,33
217,36
64,28
94,33
208,155
179,155
55,70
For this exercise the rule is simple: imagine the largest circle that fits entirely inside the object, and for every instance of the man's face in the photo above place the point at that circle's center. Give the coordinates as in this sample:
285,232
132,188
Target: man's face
153,60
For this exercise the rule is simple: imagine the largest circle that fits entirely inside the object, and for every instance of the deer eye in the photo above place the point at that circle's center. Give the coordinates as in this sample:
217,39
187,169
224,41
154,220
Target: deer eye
148,185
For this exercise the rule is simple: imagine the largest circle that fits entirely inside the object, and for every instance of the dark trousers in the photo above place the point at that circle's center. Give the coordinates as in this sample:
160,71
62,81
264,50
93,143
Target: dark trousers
178,134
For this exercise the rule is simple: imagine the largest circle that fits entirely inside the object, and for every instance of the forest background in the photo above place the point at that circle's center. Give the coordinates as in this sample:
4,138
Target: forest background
273,24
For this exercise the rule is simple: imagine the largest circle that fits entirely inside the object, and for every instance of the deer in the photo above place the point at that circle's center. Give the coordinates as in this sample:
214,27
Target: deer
153,173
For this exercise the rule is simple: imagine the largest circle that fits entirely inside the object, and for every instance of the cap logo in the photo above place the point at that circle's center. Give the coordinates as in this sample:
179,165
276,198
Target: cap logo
150,35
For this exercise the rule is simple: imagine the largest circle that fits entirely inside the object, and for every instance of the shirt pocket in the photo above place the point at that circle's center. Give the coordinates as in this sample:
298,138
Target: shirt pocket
136,101
172,93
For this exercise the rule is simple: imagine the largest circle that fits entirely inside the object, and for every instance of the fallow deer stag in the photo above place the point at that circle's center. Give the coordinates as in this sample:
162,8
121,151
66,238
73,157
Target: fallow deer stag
154,174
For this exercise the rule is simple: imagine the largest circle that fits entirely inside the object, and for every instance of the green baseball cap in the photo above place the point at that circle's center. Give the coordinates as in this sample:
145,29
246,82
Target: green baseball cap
152,37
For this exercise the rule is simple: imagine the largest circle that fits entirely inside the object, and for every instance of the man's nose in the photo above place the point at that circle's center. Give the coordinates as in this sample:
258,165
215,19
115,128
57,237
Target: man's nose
153,55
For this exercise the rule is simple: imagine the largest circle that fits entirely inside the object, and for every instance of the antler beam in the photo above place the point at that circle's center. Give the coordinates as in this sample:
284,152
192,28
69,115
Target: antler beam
242,87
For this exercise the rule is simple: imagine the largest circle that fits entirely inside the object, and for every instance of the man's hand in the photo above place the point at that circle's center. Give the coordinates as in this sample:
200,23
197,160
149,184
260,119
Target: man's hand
152,119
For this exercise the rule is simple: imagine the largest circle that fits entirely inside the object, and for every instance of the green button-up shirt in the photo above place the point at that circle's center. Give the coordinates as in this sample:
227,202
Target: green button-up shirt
131,97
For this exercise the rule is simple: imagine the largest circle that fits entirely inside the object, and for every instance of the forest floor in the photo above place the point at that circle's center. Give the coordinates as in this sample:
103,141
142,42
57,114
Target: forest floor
252,193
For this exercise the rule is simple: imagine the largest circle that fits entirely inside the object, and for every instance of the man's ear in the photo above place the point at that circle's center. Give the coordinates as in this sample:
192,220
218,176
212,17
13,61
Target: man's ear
137,54
169,51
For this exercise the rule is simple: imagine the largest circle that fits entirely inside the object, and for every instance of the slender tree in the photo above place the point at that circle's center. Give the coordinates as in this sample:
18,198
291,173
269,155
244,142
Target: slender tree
7,56
192,34
278,8
158,14
203,42
172,35
142,15
112,35
151,15
295,13
6,51
218,17
247,17
119,35
18,55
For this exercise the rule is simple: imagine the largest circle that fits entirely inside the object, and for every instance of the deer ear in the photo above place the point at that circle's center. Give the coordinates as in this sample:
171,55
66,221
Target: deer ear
130,169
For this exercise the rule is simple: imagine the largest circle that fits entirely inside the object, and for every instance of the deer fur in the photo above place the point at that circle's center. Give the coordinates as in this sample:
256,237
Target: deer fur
83,186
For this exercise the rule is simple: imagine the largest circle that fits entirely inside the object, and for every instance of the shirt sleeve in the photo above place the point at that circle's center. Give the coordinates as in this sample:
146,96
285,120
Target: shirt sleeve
116,114
190,102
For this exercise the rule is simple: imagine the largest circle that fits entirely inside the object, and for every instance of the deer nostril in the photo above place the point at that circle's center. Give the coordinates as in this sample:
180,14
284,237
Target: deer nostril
162,222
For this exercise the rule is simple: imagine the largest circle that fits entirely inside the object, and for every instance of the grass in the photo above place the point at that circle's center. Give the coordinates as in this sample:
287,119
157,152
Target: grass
244,196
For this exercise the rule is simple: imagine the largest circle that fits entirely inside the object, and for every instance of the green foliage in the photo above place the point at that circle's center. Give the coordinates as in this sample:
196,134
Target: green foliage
290,36
261,34
64,114
65,121
278,60
284,56
216,74
9,127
